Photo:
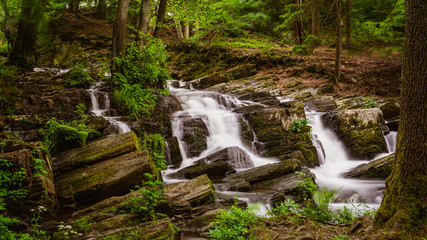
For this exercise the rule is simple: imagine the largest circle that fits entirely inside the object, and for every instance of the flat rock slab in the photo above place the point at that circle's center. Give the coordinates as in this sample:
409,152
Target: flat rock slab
96,151
380,168
198,191
267,172
104,179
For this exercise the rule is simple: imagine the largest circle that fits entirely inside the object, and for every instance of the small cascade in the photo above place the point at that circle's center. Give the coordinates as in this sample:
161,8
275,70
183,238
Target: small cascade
100,98
391,141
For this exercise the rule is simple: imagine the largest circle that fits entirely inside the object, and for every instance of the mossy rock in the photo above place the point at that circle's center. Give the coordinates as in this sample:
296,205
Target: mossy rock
380,168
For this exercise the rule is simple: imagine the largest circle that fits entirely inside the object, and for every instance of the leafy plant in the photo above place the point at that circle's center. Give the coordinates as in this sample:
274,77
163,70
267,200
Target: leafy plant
305,189
155,144
150,196
287,206
307,47
233,224
369,102
77,77
11,181
297,125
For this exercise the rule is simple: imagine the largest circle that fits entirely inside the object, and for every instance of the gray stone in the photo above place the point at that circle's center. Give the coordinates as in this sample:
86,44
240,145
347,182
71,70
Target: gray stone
380,168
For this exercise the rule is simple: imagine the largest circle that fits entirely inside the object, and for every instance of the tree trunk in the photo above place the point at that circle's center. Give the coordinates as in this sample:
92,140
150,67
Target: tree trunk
186,29
74,6
348,24
316,18
101,9
297,27
337,74
160,18
144,19
119,32
404,206
179,31
3,27
28,26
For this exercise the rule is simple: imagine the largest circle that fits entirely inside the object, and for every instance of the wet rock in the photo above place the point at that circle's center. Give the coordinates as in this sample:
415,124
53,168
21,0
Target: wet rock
198,191
96,151
213,170
195,133
174,158
115,176
322,103
241,71
355,102
238,185
361,130
380,168
390,110
202,223
235,156
266,172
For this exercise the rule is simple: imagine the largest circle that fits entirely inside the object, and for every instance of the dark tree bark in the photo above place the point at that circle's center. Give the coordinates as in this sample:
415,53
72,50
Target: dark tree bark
74,6
337,73
101,9
25,43
160,18
119,32
315,17
298,31
348,24
144,19
404,206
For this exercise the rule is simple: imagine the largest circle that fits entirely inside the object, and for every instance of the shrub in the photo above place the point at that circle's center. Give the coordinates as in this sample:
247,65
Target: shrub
77,77
287,206
155,144
232,224
307,47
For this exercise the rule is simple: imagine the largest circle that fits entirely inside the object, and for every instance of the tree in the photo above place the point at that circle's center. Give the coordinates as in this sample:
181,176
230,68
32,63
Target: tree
74,6
404,206
101,9
338,47
28,26
119,31
348,24
144,19
160,18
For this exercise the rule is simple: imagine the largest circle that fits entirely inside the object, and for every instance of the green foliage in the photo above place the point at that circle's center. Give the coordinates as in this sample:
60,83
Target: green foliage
141,75
309,44
59,132
67,232
11,180
77,77
81,110
369,102
305,189
150,196
8,70
155,144
287,206
233,224
296,126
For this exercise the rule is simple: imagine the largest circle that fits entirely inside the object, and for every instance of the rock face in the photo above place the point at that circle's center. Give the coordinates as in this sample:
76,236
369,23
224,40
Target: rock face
217,164
268,130
238,72
96,151
267,172
175,157
287,183
195,136
380,168
361,130
115,176
322,103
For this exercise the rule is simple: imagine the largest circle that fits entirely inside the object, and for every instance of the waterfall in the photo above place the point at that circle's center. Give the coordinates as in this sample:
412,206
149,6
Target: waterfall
101,108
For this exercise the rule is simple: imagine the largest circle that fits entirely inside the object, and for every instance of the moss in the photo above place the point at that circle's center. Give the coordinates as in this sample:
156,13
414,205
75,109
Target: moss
82,224
269,133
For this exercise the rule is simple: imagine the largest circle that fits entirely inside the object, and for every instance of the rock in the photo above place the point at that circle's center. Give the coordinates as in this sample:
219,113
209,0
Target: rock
195,133
287,183
234,156
213,170
111,177
390,110
355,102
380,168
173,152
239,185
322,103
266,172
202,223
361,130
198,191
97,151
241,71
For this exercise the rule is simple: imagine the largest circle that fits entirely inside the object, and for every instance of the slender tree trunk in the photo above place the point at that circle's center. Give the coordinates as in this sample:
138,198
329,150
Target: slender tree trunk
101,9
316,18
404,206
74,6
3,27
28,26
144,19
119,32
337,74
186,29
297,27
348,24
160,18
179,31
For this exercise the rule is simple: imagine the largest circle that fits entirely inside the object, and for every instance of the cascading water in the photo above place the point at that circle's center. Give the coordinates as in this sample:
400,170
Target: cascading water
95,96
336,162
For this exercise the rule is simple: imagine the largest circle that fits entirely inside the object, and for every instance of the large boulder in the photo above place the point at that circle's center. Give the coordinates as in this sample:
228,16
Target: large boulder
96,151
266,172
174,156
322,103
195,133
217,164
286,183
198,191
361,130
267,130
238,72
115,176
390,109
380,168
